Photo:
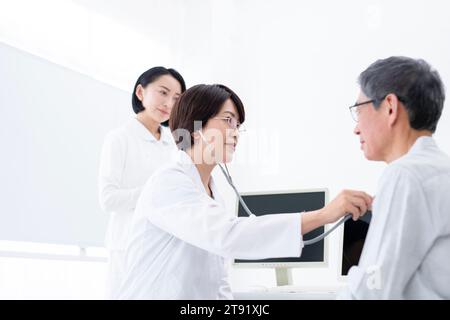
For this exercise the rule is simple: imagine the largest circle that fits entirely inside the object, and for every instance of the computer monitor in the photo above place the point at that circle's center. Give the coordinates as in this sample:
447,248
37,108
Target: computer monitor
352,242
275,202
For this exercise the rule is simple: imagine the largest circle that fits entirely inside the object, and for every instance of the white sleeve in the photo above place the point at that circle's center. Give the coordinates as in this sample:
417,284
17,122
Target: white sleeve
399,236
174,204
113,197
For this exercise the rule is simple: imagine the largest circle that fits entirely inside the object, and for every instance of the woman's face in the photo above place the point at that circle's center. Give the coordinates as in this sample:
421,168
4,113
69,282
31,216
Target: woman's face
159,97
221,134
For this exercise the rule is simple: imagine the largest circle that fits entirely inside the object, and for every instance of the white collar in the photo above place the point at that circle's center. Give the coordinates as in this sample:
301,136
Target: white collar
144,133
185,161
421,143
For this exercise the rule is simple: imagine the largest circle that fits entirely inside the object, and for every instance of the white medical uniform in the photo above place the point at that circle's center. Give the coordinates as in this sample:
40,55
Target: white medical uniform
130,155
182,240
407,249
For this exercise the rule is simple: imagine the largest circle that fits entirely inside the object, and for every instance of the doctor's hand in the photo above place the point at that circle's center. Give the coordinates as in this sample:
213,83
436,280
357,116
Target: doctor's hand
351,202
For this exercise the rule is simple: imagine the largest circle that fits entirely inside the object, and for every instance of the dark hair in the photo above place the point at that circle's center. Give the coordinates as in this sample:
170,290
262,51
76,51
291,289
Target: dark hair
200,103
414,82
150,76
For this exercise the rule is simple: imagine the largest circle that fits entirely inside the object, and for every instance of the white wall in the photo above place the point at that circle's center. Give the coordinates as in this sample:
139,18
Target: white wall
52,127
293,63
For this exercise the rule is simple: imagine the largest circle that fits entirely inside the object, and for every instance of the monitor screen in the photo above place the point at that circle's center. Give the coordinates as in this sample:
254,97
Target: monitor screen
287,202
353,241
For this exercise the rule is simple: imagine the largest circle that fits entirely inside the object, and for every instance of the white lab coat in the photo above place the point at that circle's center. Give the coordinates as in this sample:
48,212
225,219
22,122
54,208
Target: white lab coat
181,240
130,155
407,249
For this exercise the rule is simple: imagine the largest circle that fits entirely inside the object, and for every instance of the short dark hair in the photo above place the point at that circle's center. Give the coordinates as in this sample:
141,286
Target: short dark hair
150,76
415,83
200,103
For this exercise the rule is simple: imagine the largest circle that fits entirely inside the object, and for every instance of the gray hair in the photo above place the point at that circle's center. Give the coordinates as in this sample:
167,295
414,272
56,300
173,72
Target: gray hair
414,82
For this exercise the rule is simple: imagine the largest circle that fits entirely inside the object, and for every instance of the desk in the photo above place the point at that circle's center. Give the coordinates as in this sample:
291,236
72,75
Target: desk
289,293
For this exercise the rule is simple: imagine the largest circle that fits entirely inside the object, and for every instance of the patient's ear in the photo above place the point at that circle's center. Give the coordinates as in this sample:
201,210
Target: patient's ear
392,108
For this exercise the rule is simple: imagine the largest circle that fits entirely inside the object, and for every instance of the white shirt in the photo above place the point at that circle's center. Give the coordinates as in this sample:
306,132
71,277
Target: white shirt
182,240
130,155
407,249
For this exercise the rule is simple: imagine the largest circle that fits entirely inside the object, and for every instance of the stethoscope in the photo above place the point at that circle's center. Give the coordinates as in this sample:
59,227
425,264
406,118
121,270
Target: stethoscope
227,175
249,213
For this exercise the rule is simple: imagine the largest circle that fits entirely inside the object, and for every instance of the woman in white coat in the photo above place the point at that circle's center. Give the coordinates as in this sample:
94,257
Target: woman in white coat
131,154
182,238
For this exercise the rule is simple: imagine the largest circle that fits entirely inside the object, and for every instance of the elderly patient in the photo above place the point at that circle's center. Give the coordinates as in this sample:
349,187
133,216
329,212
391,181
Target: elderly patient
407,250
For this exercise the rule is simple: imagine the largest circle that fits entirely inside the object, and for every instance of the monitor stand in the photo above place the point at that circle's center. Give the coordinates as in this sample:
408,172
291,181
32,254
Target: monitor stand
284,276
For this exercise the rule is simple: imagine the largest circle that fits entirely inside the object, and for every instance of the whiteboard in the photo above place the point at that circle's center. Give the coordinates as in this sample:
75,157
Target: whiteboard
52,125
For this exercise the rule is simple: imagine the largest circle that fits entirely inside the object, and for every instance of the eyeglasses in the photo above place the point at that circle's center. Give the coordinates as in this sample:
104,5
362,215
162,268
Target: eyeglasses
232,123
354,110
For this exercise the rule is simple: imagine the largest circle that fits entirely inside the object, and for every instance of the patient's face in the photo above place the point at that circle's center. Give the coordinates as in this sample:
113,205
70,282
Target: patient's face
373,130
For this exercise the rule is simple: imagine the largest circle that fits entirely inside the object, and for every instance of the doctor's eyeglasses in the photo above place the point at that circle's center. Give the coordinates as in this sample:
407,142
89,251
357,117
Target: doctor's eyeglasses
232,123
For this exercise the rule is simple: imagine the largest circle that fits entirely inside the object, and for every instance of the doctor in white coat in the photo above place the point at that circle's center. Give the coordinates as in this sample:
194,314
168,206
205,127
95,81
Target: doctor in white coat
182,238
130,155
406,253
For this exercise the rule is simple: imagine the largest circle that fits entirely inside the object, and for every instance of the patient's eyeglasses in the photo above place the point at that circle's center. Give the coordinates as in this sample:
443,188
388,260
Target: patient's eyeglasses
354,109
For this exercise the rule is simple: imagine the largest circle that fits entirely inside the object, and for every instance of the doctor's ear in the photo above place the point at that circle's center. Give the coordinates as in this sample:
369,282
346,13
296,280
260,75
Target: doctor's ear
195,135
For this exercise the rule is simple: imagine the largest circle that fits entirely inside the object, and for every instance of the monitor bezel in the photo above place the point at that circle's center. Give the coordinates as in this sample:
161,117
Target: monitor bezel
321,264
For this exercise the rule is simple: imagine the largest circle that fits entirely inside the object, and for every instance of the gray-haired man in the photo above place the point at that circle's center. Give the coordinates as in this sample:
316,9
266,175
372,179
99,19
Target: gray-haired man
407,250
